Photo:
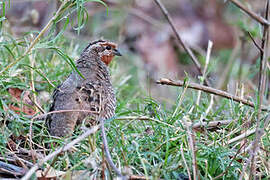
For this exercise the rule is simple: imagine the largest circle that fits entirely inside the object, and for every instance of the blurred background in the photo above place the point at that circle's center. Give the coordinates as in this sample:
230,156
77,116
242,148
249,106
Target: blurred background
148,43
150,52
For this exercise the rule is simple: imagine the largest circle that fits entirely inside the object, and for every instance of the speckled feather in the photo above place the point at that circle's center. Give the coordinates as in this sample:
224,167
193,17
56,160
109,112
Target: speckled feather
94,93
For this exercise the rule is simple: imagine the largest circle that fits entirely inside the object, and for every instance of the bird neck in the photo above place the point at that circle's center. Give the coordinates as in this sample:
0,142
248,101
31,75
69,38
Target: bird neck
93,65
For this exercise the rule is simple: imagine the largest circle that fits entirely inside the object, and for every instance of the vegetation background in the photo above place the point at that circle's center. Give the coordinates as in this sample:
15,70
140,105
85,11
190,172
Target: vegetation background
159,132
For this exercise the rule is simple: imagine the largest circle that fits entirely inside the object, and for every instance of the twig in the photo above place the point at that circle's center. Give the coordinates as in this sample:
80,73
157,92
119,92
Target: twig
51,164
180,101
60,150
227,168
181,42
252,14
185,162
261,133
250,132
37,105
44,116
32,84
242,136
210,90
261,90
103,164
254,42
106,148
210,45
34,42
191,142
208,109
212,124
234,131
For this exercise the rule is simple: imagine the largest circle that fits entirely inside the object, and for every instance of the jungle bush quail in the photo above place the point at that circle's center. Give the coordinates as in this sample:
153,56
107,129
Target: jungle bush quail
93,93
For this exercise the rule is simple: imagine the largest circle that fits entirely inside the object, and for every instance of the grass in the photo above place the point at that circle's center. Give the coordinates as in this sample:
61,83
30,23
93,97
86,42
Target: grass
155,147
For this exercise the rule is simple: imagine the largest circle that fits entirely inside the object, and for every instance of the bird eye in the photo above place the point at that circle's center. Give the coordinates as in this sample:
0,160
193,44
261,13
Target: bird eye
108,47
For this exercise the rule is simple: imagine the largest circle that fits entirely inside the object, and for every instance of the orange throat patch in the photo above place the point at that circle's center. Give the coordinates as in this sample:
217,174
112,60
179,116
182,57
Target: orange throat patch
107,59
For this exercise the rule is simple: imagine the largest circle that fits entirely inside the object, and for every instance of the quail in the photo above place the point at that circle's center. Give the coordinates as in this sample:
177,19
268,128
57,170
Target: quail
86,98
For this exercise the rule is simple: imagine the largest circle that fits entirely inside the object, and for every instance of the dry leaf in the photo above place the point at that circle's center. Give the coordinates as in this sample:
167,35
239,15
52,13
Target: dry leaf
21,97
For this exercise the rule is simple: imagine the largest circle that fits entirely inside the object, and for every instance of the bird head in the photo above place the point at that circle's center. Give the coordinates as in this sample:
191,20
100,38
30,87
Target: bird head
104,49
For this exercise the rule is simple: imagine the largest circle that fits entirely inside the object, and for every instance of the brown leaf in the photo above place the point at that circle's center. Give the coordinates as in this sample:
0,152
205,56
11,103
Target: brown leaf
21,97
16,93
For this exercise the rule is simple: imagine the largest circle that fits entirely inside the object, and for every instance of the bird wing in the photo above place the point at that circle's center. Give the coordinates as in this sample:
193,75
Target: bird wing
89,96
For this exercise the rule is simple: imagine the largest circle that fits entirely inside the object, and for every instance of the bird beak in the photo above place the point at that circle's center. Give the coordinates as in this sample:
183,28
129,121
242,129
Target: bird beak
116,52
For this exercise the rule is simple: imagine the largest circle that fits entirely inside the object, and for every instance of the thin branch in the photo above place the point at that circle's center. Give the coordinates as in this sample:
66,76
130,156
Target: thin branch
106,148
209,49
211,124
185,162
191,142
234,131
203,116
261,90
32,84
254,42
242,136
180,101
60,150
250,132
252,14
261,133
164,81
181,42
37,105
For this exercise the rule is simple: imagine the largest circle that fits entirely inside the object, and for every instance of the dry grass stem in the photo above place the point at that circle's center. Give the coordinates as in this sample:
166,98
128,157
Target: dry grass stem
107,153
209,49
203,116
261,90
252,14
185,162
242,136
191,142
212,124
180,102
255,43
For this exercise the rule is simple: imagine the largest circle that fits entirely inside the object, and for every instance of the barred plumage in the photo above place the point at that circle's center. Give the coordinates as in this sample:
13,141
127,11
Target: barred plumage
94,93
